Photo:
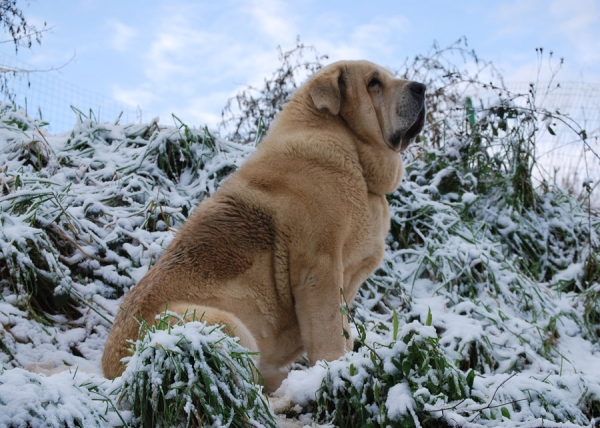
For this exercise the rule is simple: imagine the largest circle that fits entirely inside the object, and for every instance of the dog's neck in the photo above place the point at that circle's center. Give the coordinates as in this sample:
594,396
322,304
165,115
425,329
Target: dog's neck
382,167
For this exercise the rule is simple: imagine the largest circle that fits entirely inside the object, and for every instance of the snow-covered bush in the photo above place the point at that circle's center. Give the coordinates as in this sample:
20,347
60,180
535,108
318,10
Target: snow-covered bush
393,383
508,267
190,374
94,208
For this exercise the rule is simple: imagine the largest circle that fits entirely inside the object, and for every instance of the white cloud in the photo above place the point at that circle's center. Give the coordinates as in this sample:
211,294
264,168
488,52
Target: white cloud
194,67
273,19
122,36
201,109
182,49
381,30
166,56
579,23
509,17
133,97
569,28
379,40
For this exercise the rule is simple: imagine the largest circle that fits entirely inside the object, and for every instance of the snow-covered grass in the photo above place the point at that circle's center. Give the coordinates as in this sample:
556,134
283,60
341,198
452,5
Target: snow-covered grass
485,311
190,374
511,294
83,216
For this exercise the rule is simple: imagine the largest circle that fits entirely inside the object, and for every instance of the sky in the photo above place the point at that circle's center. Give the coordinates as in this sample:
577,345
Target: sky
189,57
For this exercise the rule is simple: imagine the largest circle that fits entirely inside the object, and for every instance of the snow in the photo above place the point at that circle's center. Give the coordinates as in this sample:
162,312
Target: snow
300,386
399,401
102,198
29,399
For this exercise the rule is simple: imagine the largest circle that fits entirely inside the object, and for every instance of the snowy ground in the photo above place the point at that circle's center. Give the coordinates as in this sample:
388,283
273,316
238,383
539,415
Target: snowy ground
506,292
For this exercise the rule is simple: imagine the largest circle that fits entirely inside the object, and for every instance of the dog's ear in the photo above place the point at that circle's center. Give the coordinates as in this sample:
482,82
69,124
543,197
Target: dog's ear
325,90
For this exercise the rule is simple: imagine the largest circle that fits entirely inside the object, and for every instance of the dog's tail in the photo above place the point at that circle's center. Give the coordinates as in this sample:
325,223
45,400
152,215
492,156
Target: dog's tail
125,327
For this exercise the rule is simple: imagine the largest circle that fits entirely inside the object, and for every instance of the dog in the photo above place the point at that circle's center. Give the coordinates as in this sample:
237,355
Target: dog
300,225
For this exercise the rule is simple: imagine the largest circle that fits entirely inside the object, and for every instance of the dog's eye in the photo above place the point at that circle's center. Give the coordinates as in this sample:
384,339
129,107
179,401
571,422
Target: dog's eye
374,83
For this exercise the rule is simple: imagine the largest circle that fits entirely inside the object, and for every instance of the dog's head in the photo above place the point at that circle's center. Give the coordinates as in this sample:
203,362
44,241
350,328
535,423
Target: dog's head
376,105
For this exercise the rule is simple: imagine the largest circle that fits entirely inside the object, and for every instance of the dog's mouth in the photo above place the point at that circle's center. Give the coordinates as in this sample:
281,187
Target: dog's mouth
402,138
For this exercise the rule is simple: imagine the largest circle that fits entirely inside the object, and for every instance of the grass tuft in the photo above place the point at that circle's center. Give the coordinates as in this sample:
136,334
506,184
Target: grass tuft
191,374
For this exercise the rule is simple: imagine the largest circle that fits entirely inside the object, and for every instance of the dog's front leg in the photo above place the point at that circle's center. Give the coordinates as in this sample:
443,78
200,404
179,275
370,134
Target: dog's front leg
317,304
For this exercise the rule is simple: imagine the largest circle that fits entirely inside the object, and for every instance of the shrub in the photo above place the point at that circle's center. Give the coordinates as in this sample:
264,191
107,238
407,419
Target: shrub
392,384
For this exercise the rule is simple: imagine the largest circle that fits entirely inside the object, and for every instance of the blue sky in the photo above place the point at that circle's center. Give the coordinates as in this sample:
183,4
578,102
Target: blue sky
189,57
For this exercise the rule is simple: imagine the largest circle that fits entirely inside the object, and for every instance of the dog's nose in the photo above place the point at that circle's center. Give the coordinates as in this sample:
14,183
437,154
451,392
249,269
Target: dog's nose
417,89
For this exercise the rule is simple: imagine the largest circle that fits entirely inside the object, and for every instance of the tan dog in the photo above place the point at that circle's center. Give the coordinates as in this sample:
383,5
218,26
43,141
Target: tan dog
305,216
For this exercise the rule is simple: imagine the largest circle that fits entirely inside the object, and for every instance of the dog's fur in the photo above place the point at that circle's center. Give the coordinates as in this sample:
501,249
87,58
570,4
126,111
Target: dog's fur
304,217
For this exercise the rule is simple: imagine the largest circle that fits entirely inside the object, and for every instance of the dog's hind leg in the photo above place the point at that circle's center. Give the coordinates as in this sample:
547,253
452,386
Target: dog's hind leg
232,325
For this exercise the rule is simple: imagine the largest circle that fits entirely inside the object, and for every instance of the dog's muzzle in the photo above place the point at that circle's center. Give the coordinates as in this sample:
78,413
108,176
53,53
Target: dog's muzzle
403,137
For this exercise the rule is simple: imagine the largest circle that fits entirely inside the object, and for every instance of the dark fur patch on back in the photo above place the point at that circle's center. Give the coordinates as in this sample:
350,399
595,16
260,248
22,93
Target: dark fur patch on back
221,241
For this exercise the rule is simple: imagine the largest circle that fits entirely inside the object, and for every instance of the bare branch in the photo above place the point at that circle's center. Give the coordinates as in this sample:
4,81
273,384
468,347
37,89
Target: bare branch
36,34
9,69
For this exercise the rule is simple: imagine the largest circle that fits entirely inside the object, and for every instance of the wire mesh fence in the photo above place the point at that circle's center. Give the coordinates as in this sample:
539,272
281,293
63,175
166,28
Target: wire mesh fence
48,96
565,156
